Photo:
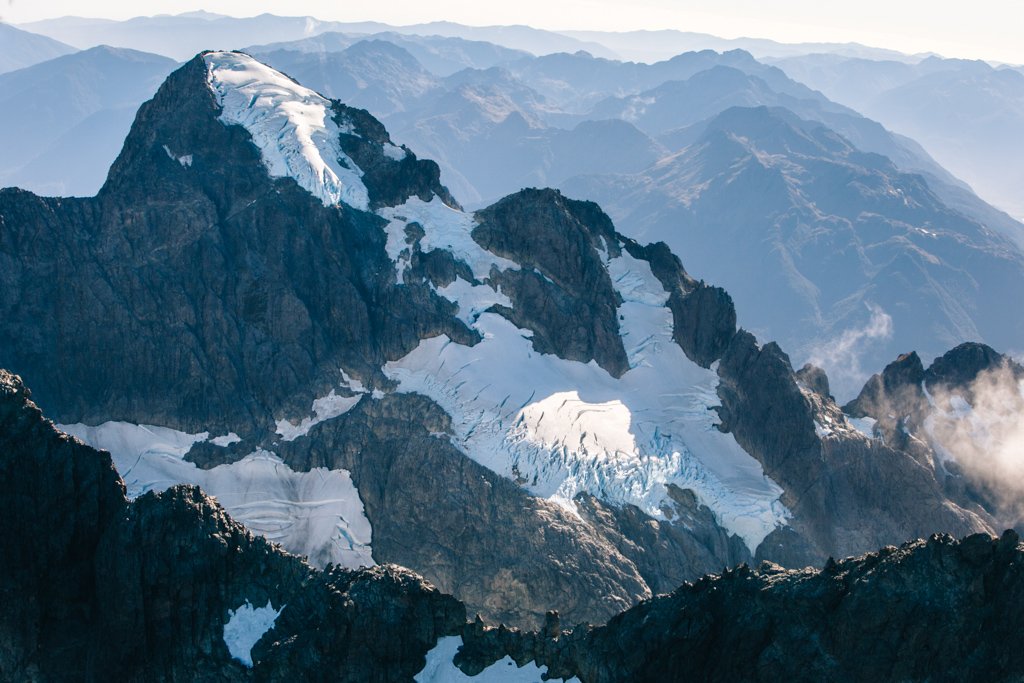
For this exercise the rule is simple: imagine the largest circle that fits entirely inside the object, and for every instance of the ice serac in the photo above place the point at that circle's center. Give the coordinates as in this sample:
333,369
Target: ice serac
563,427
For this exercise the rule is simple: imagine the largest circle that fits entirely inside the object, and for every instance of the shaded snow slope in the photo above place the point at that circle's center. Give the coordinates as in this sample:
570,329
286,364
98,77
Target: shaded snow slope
441,669
246,625
291,125
317,513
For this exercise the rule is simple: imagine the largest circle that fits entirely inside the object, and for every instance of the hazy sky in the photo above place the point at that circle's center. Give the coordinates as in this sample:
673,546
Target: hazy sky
989,29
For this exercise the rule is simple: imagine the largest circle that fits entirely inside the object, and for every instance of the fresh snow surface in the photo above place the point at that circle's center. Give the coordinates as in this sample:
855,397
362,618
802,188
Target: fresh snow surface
317,513
246,625
562,427
394,152
291,125
440,669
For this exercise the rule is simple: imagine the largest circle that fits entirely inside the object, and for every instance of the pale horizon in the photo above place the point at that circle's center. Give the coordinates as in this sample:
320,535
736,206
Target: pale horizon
990,31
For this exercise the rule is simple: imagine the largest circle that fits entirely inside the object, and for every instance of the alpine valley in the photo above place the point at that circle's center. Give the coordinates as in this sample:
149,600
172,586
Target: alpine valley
311,419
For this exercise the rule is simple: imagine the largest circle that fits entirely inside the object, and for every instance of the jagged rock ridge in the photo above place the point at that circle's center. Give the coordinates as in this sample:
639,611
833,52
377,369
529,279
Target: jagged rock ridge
148,590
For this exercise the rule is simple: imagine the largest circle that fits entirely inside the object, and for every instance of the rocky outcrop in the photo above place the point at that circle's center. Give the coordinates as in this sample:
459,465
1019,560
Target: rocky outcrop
815,379
834,478
562,292
390,180
960,366
928,414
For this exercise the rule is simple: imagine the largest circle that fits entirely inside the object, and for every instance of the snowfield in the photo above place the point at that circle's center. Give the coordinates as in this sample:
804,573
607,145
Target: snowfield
246,625
291,125
317,513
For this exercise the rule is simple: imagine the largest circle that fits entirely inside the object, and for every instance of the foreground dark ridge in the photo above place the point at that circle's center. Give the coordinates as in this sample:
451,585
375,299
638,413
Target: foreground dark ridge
97,588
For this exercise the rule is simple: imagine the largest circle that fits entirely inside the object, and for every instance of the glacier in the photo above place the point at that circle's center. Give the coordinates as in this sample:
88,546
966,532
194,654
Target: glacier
291,125
561,427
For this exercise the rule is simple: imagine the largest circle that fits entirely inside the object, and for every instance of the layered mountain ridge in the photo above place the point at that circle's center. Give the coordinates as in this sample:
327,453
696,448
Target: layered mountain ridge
302,308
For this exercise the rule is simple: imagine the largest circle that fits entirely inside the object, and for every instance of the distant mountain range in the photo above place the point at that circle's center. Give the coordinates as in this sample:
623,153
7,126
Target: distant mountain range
62,122
968,114
181,36
835,252
19,49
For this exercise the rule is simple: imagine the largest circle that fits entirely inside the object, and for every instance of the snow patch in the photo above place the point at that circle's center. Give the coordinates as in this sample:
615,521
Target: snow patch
561,427
246,625
226,440
324,408
441,669
317,513
394,152
864,425
185,161
291,125
444,228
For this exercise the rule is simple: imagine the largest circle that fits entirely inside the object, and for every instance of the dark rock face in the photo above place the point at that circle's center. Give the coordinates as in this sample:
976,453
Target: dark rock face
367,625
929,610
833,482
762,404
703,317
960,366
563,292
666,553
96,588
390,182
